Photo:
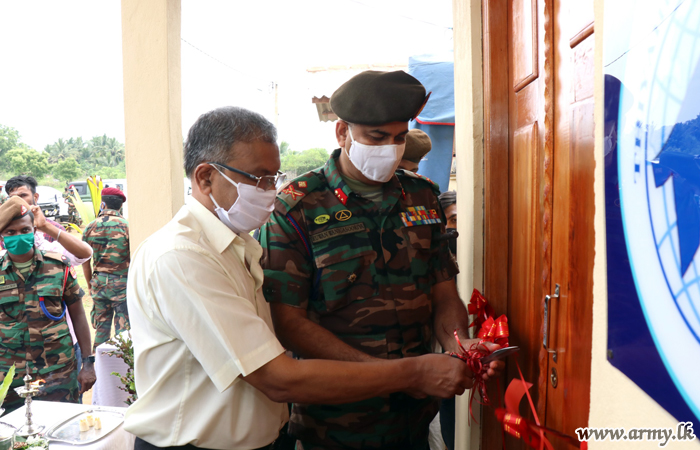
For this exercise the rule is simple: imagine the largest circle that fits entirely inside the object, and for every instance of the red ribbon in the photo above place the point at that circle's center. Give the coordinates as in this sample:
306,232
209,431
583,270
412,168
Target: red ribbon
472,357
495,331
479,307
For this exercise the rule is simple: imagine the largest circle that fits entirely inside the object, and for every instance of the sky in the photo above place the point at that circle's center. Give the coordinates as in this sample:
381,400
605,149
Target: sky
61,74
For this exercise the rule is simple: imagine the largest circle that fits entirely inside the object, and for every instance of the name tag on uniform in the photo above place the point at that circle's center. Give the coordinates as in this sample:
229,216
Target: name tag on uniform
340,231
418,215
7,287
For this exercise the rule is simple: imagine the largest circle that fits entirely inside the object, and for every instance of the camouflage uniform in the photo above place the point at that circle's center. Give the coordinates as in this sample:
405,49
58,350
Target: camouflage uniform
108,235
72,212
365,273
28,335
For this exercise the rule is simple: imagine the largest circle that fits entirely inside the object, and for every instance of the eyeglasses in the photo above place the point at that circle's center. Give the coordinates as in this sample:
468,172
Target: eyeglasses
264,183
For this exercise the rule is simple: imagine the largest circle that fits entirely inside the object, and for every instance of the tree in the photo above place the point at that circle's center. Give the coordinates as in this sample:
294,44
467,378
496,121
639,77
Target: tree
9,138
295,164
284,148
26,161
67,170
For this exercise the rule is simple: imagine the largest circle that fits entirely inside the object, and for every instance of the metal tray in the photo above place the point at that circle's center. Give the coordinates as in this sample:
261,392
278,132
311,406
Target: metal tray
69,432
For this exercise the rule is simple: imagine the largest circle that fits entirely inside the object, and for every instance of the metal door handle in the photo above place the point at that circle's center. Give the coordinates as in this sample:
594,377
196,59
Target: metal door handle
547,298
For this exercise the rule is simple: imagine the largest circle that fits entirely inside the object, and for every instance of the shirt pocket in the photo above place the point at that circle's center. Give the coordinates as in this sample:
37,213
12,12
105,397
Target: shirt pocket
419,248
53,299
58,345
345,271
11,324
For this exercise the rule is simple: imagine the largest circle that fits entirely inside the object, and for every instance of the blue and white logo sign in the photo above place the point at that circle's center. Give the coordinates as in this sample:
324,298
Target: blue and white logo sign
653,201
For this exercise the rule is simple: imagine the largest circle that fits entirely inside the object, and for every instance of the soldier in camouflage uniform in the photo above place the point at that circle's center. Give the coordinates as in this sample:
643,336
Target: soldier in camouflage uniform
357,267
73,215
36,288
108,235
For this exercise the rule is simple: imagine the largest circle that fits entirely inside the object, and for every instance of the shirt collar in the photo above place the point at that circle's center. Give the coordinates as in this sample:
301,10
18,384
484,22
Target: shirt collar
109,212
219,235
6,262
392,188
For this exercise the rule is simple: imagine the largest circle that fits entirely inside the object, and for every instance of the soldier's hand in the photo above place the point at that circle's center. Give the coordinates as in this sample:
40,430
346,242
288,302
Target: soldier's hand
440,376
495,368
39,219
86,377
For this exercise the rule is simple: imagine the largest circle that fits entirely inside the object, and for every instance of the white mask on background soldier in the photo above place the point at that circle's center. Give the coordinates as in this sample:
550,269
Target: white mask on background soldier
376,162
251,209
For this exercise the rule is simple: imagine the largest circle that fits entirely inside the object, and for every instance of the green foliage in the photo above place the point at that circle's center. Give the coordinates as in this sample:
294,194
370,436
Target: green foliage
67,170
9,138
125,351
9,376
22,161
101,155
297,163
64,160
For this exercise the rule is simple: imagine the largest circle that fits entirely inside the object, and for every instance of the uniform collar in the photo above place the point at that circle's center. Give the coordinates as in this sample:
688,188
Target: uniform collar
392,188
219,235
335,181
6,262
109,212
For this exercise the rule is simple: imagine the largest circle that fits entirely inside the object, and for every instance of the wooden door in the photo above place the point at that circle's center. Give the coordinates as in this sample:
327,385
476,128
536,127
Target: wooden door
538,163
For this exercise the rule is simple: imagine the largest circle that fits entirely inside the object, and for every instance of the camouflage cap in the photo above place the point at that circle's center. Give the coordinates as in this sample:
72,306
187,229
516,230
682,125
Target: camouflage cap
13,208
418,145
376,98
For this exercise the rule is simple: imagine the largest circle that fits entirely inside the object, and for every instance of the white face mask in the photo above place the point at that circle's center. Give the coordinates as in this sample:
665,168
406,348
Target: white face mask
251,209
376,162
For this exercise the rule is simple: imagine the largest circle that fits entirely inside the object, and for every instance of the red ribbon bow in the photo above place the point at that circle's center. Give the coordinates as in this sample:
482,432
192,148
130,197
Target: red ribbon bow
495,331
479,307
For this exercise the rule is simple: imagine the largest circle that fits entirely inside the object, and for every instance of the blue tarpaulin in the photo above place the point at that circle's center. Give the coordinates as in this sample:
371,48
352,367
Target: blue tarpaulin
436,72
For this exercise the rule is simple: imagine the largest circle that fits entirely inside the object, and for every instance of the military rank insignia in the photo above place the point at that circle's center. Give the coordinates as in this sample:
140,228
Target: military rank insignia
292,192
341,196
418,215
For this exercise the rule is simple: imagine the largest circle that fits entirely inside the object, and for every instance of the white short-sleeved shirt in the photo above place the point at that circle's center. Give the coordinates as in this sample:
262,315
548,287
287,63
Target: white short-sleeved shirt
199,321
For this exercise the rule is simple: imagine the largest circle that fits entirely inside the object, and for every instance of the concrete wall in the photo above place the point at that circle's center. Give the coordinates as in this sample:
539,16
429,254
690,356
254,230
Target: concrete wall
469,148
615,400
152,111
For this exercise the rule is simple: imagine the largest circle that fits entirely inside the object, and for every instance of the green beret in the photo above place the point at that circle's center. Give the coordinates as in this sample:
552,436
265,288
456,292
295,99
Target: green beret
13,208
376,98
417,145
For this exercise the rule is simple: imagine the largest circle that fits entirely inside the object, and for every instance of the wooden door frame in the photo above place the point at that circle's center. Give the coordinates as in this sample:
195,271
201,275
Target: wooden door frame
497,85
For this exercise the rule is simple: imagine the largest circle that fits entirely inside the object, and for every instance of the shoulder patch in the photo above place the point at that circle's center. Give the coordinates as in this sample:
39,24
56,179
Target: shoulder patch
57,257
416,176
292,192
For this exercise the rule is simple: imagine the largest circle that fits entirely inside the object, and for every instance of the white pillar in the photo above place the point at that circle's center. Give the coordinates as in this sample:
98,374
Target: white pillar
469,137
152,110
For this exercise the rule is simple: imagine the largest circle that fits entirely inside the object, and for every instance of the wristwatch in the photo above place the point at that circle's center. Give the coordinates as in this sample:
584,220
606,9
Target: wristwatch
90,359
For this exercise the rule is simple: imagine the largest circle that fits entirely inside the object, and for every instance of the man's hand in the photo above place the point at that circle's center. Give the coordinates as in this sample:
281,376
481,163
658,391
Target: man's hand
87,377
39,218
440,376
495,368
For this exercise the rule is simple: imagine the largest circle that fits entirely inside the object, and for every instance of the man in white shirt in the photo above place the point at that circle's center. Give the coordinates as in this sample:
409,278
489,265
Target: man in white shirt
209,370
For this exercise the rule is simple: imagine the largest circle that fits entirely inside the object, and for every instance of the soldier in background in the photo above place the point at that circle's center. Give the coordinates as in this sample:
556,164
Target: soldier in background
418,144
108,235
36,289
73,215
356,270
